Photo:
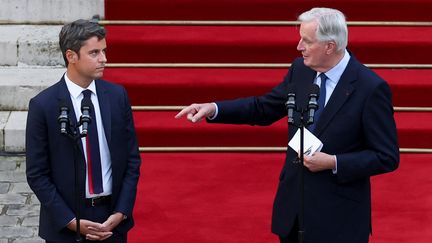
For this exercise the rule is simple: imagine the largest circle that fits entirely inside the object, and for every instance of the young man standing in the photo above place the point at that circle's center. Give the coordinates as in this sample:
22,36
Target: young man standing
108,159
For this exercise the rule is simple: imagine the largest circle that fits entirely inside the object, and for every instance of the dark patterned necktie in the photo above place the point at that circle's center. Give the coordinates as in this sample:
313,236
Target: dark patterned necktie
94,167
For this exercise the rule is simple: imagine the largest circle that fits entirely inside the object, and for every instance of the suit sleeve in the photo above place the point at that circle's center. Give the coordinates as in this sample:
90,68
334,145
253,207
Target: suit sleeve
258,110
38,170
127,196
381,150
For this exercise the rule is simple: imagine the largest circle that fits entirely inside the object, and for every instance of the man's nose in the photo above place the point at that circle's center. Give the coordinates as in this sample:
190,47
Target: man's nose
300,46
102,57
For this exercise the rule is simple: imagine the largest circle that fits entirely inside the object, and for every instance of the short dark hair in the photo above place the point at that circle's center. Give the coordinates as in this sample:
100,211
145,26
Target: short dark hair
73,35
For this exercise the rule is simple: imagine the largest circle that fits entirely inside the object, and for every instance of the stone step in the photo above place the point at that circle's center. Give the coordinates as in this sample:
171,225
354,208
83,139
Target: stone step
25,36
36,11
19,84
12,131
30,45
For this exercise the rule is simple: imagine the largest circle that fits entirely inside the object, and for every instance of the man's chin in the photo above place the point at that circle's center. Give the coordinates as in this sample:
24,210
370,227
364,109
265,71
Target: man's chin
98,75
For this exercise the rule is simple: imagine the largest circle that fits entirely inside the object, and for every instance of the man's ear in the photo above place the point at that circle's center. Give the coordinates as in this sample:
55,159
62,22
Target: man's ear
71,56
331,47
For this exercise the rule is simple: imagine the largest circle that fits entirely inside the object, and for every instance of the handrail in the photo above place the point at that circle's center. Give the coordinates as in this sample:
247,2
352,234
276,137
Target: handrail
199,65
248,65
249,149
217,22
255,23
177,108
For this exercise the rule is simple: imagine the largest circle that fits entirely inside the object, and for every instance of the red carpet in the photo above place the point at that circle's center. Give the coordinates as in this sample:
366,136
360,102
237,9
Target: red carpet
216,197
183,86
161,129
227,197
206,197
256,44
383,10
402,202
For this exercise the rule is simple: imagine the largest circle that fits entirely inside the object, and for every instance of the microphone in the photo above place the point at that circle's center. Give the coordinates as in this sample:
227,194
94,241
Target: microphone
85,118
63,118
290,104
313,102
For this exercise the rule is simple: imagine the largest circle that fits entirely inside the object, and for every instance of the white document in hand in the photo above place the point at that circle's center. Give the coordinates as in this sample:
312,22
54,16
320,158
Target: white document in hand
311,143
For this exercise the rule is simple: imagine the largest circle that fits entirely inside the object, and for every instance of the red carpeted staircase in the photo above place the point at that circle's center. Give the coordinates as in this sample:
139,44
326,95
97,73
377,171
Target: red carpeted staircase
213,183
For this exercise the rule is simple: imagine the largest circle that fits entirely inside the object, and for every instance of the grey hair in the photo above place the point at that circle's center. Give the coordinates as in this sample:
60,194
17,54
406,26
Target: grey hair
74,35
331,25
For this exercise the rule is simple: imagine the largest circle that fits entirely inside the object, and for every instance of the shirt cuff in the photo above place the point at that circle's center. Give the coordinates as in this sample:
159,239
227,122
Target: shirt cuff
335,169
70,221
216,112
124,215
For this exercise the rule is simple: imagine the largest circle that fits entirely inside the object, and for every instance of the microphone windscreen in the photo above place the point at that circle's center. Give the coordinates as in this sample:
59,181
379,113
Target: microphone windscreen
314,89
291,88
63,105
85,102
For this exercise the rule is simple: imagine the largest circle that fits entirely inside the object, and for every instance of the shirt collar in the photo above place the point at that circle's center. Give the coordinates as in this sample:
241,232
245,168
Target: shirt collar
336,72
76,90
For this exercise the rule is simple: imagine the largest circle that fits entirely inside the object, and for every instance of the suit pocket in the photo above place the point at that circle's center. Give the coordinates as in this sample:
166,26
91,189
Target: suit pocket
353,192
348,196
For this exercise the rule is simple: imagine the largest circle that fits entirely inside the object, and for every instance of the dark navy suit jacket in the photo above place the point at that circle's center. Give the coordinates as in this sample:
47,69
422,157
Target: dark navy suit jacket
357,125
50,157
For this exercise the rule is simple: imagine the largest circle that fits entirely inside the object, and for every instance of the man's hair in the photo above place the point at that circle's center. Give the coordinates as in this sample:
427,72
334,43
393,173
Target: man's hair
74,35
331,25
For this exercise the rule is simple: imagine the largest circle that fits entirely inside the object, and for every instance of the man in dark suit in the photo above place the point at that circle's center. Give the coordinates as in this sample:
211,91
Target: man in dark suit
106,192
356,126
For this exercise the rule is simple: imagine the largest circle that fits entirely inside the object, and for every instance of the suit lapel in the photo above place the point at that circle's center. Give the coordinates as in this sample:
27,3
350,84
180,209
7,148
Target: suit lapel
303,89
343,90
63,94
105,108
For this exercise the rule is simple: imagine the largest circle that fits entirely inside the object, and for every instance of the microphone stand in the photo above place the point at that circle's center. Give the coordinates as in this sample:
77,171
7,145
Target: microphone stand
301,125
301,213
73,133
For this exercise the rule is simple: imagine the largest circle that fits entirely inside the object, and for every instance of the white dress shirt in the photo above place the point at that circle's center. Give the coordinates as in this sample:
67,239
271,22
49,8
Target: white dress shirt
76,95
333,77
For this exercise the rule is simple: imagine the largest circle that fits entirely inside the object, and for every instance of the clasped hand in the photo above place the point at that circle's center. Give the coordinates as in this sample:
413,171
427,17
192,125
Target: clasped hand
97,231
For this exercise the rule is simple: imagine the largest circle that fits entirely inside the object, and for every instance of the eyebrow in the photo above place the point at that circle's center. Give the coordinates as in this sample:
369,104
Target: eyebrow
97,50
306,39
